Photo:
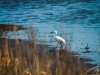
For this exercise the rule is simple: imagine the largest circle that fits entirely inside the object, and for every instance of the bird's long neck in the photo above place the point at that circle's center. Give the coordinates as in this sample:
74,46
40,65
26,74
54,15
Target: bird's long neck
55,35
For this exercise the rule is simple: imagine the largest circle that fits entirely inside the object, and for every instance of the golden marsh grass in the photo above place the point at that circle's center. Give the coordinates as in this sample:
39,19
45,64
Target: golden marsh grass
21,57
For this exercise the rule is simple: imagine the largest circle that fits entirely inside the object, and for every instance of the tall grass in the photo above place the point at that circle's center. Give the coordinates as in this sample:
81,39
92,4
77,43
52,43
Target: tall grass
21,57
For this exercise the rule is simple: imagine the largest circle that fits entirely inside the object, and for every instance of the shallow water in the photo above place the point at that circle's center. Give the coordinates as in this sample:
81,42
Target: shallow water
77,21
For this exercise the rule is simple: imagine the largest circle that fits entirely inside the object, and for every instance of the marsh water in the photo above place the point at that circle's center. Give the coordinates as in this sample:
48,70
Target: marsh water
77,21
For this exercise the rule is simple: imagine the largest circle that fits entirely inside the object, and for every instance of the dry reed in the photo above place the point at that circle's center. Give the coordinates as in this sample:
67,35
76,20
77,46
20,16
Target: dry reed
21,57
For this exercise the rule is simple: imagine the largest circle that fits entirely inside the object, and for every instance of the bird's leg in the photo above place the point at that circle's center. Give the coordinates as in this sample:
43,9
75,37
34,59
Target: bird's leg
61,47
57,45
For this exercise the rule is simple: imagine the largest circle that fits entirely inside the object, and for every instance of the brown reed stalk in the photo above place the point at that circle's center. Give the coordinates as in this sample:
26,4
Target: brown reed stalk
26,57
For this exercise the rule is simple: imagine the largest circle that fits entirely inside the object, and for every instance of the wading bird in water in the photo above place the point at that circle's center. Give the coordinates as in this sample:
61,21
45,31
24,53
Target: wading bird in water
61,41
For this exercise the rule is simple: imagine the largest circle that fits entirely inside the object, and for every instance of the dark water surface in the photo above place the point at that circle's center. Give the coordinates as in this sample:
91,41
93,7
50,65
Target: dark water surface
78,21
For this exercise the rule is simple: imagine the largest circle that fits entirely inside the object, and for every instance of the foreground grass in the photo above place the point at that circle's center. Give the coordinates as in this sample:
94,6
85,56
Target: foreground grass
20,57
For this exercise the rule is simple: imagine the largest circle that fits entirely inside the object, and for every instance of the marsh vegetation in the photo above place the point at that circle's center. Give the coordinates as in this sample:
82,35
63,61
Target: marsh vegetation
25,57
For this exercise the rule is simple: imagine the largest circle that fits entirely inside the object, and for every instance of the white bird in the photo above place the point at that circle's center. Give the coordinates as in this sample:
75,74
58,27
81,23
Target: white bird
61,41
